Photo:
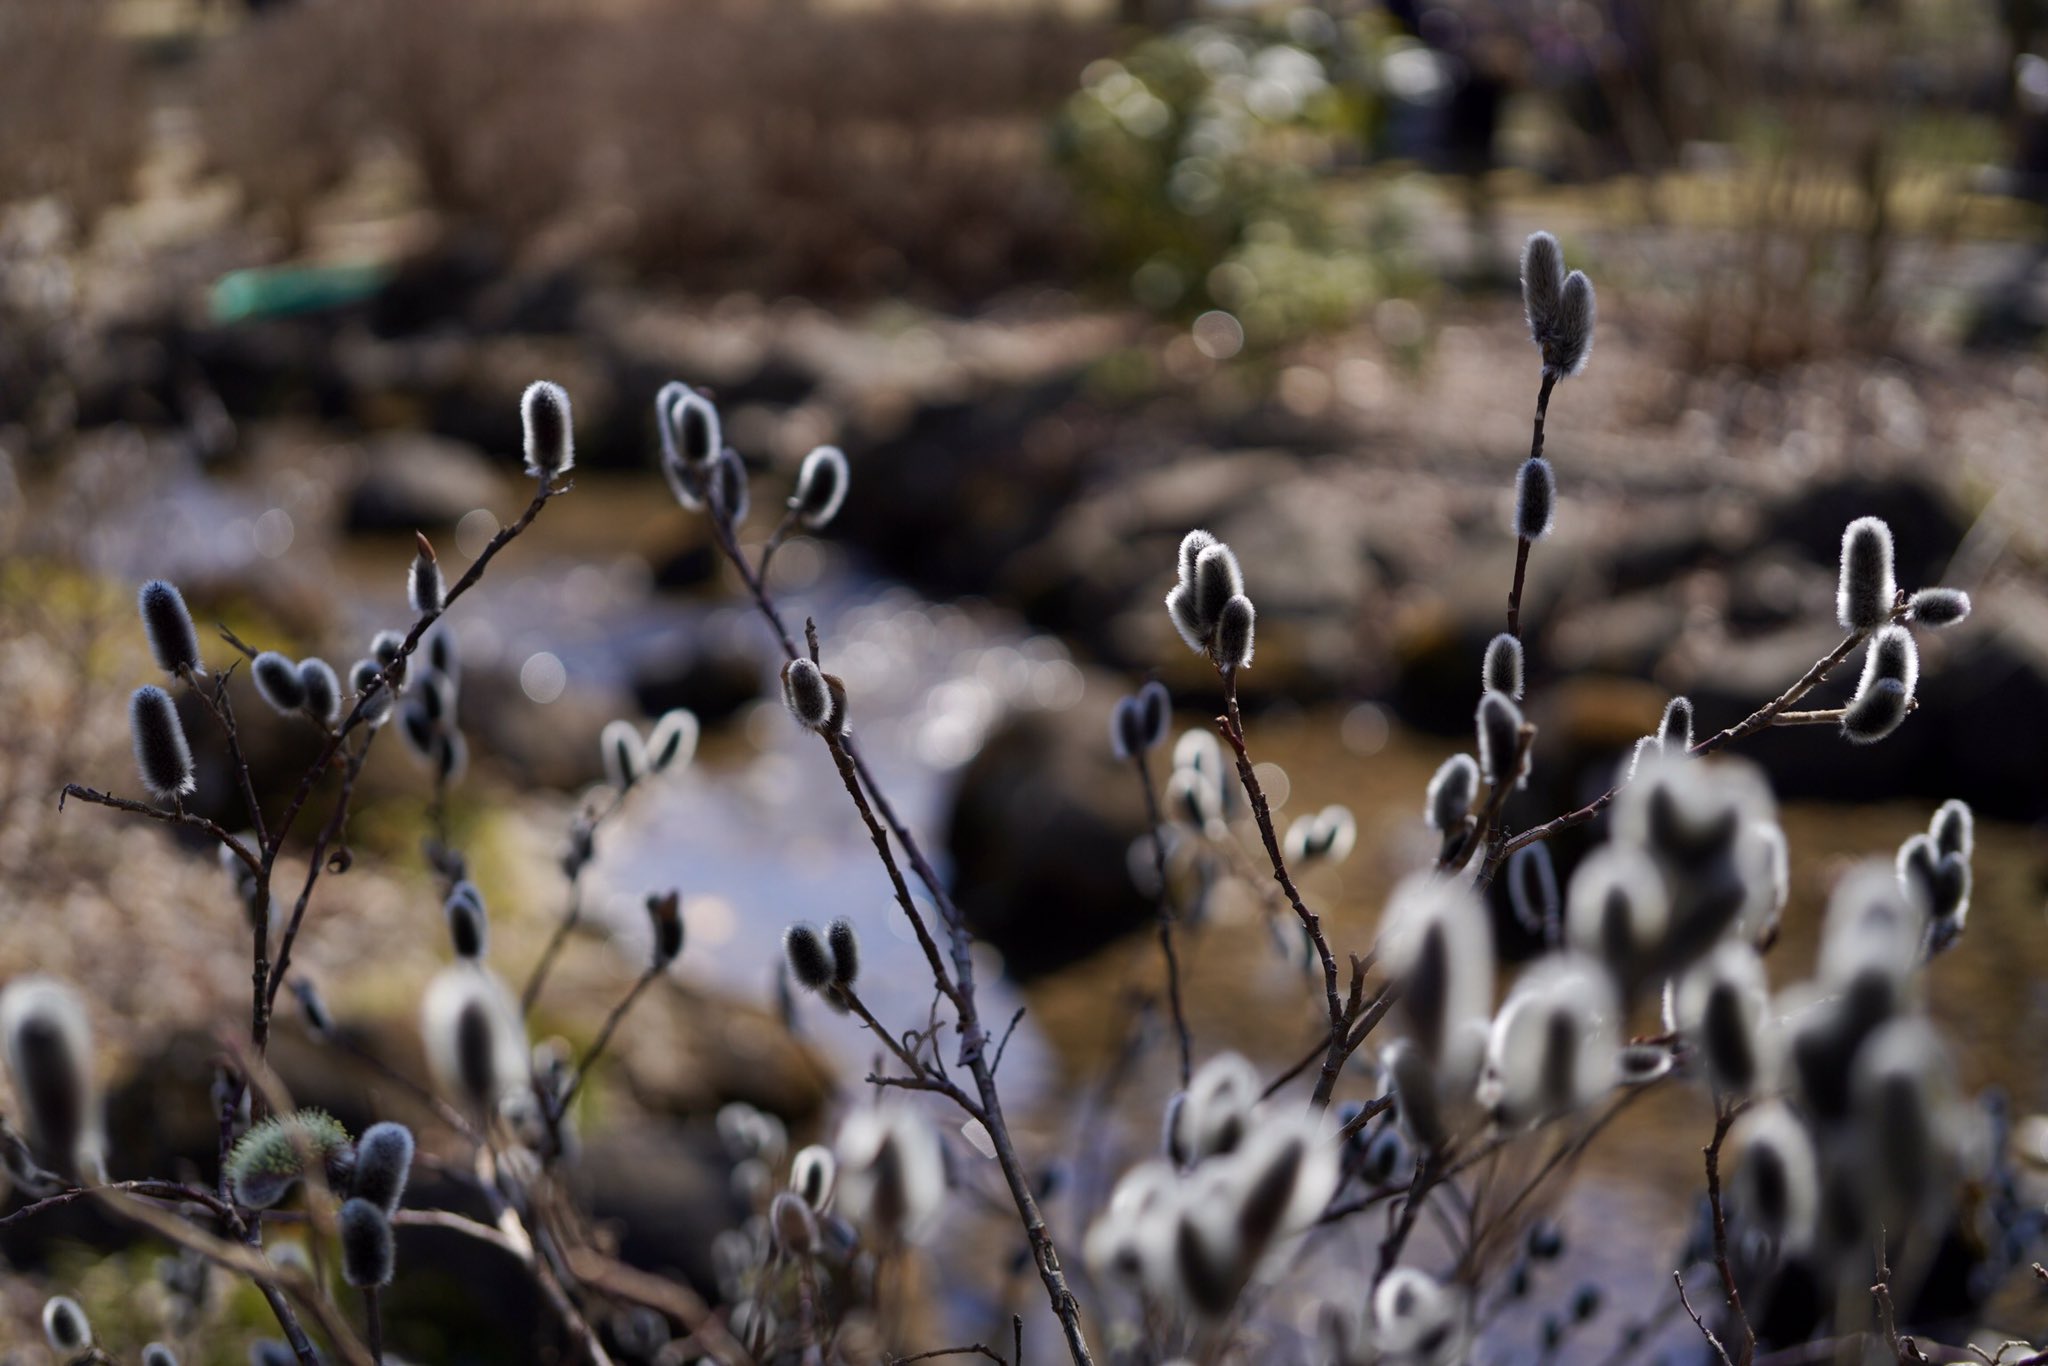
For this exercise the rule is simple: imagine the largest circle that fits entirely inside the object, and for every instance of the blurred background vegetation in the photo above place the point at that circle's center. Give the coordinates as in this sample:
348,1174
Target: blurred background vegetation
1064,281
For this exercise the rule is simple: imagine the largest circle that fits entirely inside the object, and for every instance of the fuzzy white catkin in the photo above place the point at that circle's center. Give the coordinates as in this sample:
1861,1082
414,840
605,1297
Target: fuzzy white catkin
1235,628
821,485
474,1036
1501,671
46,1040
625,755
1535,499
549,426
66,1327
1867,588
277,681
1217,580
367,1257
162,757
1450,794
168,626
1542,284
805,690
322,690
424,588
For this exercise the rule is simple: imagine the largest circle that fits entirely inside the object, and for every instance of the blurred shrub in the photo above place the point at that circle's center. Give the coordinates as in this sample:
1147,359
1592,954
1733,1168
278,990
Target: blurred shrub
1202,159
70,116
771,146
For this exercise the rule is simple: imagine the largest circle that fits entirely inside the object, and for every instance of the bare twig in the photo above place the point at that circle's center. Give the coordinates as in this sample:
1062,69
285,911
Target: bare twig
1678,1279
1724,1117
1155,832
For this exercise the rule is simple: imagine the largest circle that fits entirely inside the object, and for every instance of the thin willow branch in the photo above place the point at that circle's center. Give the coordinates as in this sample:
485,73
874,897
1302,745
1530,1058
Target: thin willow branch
170,816
1724,1117
1155,828
1678,1279
1522,542
1231,724
604,1038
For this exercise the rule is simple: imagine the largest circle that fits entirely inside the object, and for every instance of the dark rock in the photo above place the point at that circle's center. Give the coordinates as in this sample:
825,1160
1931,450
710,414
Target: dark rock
683,669
412,482
1039,833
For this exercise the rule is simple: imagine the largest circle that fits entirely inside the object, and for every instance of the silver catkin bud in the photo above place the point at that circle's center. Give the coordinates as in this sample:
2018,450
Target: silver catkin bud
805,690
1180,607
362,676
168,625
388,647
1535,499
821,485
1499,727
277,681
625,755
1451,791
727,485
812,1173
367,1256
1217,580
810,961
469,928
1674,733
162,757
1533,893
322,691
1191,547
550,429
1234,633
424,588
1502,670
793,1224
1893,655
1938,606
1570,344
1867,588
665,918
383,1165
1954,829
46,1039
673,741
1875,713
1155,711
845,947
66,1327
1542,286
690,425
158,1354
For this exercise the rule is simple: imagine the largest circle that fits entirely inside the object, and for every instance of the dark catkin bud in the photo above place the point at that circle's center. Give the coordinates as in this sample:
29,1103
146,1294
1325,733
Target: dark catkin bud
1191,547
1155,710
172,639
424,588
1937,884
1542,286
1867,590
1234,633
475,1037
1499,726
1954,829
1570,344
1217,580
277,681
367,1257
1502,670
727,484
812,1173
1674,733
1938,606
362,676
1451,790
46,1039
161,755
821,484
422,735
1126,728
1535,499
157,1354
318,1020
388,648
469,928
1180,608
665,918
1533,893
450,758
65,1325
810,961
1892,655
439,646
845,946
805,690
322,690
673,741
1876,713
383,1164
625,755
692,427
794,1225
550,431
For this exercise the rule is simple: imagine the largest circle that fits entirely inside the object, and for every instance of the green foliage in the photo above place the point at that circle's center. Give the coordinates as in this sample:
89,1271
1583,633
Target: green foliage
1203,160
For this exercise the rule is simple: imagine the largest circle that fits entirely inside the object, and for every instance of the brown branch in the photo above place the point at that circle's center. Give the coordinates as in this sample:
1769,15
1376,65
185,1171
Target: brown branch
1724,1117
1522,542
1231,724
1678,1279
172,816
